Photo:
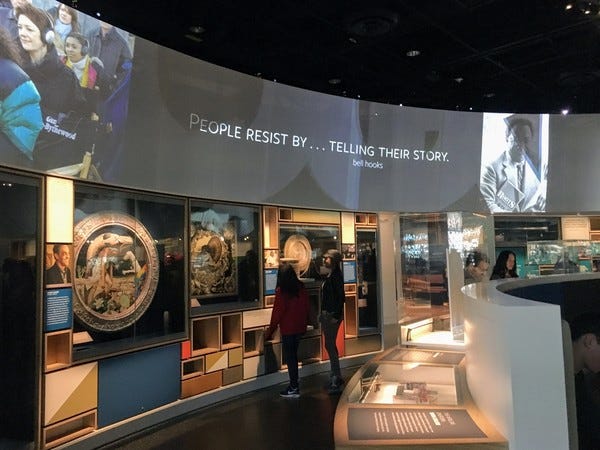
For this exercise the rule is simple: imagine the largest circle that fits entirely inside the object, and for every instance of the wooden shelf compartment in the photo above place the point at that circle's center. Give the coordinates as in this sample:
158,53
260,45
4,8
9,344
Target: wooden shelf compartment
361,219
314,300
351,316
57,348
206,335
269,301
192,367
286,214
254,341
70,429
309,350
365,219
273,357
350,288
270,227
231,331
203,383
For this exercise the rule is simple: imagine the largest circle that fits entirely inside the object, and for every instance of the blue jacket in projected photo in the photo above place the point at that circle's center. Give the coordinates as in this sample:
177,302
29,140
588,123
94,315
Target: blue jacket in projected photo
20,115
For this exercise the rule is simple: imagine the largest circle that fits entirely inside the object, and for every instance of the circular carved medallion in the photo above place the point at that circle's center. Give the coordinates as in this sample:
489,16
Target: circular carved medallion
116,271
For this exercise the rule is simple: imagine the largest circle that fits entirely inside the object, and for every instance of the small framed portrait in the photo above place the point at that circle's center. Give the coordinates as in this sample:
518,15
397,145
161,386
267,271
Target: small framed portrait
271,260
58,265
349,251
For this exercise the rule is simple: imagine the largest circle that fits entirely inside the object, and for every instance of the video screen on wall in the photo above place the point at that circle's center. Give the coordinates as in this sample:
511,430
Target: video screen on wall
67,76
90,101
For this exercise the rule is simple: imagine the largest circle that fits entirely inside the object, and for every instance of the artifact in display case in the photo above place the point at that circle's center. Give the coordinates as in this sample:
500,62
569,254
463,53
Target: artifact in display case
558,257
409,397
224,257
116,270
408,384
304,245
128,274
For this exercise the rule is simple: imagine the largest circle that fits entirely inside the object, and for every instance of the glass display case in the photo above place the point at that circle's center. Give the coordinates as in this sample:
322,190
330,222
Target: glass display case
409,377
558,257
410,397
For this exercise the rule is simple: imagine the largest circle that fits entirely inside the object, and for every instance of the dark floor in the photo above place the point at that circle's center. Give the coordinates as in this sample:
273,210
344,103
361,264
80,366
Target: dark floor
258,420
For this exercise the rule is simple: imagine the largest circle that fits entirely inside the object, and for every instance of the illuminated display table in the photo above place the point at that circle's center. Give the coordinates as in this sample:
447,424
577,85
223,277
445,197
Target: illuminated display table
412,397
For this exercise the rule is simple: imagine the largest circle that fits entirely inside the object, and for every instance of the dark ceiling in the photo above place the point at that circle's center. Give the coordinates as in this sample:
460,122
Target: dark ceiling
484,55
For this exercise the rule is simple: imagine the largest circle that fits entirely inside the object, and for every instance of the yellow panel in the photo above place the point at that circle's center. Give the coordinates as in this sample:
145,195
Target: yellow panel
235,356
59,210
216,361
348,228
312,216
70,392
254,366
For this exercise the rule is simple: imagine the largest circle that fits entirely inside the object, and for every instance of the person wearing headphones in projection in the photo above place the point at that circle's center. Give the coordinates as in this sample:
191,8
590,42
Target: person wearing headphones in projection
62,101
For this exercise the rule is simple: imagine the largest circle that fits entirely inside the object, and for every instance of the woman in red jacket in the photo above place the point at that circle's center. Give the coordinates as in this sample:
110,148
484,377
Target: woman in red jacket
290,313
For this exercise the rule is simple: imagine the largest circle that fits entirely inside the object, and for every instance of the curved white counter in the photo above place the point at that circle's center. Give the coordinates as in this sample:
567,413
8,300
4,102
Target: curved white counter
515,361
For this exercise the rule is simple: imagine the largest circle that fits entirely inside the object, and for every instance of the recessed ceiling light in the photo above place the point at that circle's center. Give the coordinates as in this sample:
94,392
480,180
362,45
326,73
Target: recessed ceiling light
196,29
569,6
412,53
565,111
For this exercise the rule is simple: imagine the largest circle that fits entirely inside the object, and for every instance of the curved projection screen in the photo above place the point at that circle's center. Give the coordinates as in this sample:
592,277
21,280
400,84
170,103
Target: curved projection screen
172,123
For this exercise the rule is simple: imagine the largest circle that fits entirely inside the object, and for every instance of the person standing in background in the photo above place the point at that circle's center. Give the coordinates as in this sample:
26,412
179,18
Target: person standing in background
8,18
113,50
61,98
506,266
476,267
20,113
585,336
332,311
291,314
66,20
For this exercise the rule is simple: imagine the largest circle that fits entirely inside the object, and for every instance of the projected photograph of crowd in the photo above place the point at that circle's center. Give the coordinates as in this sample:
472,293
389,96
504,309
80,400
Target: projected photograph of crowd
64,82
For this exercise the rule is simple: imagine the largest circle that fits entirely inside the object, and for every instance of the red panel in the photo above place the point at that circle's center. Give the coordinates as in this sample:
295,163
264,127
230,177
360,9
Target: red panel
186,349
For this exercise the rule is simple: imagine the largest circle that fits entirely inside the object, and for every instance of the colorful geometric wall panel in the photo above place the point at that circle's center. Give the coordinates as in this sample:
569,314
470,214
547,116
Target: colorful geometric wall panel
203,383
132,384
216,361
232,375
70,392
254,366
236,356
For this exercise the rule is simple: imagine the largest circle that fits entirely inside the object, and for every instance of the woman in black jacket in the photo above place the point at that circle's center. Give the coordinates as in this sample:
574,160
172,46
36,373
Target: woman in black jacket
332,312
62,101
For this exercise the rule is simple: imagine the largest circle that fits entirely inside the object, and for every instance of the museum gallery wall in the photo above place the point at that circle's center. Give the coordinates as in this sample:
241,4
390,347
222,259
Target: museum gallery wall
133,280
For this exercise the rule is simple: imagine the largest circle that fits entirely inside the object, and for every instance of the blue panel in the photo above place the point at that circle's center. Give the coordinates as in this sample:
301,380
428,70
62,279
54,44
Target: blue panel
349,271
132,384
58,313
270,281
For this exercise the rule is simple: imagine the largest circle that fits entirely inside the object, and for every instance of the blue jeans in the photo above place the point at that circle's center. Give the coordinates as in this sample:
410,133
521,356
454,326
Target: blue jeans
290,344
